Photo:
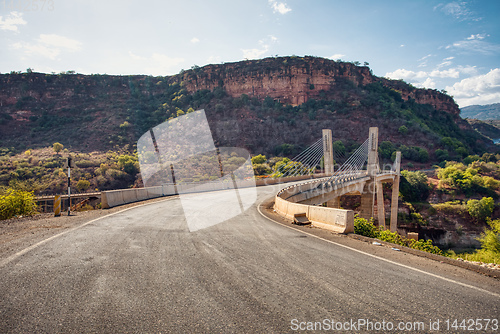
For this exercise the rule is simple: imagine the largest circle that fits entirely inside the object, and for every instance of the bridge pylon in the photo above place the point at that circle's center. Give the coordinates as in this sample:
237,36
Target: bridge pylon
328,152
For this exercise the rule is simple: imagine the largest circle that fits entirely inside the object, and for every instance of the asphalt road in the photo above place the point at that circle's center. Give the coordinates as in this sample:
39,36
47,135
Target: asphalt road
143,271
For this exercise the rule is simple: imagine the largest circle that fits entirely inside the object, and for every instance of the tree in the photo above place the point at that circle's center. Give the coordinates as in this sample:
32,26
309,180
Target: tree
490,239
338,147
441,155
414,186
128,164
403,130
57,147
481,209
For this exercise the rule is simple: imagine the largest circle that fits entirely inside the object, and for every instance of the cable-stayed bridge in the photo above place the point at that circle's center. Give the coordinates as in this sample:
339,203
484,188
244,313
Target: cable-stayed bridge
360,174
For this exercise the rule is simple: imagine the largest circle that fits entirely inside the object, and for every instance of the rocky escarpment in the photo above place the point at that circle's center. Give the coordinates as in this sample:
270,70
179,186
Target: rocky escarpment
295,80
99,112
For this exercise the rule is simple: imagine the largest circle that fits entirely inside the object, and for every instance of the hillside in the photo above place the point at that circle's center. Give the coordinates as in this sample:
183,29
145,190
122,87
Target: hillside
270,106
489,128
482,112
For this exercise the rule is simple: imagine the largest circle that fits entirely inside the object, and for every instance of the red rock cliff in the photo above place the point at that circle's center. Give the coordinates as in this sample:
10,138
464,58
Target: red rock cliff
294,80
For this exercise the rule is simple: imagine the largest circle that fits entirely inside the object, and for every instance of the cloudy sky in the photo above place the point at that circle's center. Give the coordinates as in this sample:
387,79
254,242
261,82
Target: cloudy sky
445,45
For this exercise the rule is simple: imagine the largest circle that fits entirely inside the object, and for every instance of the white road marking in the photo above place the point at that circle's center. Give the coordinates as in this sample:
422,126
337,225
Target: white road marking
381,258
30,248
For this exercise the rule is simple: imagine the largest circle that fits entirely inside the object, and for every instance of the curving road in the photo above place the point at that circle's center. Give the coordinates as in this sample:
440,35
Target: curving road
142,271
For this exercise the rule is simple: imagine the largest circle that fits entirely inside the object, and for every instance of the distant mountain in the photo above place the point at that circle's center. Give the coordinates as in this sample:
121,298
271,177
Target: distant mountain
483,113
490,129
273,106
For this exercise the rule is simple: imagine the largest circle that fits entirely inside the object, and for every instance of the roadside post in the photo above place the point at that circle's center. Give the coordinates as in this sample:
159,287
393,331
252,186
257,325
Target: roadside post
57,205
70,163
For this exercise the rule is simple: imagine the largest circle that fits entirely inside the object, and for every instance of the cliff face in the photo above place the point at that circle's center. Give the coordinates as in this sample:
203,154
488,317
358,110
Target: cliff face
89,111
294,80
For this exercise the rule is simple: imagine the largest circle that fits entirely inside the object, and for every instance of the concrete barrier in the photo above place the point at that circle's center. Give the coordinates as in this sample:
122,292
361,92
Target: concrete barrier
337,220
111,198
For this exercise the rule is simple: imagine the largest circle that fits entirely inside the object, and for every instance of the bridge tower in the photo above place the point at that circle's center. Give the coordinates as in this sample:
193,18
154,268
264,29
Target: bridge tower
328,152
368,195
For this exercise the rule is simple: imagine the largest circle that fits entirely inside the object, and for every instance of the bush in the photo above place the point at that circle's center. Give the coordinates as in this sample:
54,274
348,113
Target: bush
441,155
490,239
414,186
366,228
258,159
129,164
16,202
481,209
82,185
490,245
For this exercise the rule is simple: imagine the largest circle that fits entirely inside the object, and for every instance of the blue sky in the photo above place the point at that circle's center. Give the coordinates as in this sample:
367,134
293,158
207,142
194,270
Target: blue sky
450,45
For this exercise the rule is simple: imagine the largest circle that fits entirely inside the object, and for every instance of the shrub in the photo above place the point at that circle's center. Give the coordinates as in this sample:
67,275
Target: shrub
82,185
16,202
481,209
441,155
258,159
129,164
490,239
414,186
366,228
261,169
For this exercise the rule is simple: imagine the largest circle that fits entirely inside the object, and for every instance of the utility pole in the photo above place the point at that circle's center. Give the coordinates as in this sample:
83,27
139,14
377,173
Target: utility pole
70,163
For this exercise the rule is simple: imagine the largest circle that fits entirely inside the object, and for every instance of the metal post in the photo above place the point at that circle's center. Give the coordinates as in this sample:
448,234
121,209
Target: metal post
69,189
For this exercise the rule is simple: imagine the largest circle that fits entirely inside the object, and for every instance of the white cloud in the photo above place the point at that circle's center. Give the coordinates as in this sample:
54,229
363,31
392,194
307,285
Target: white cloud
406,74
469,70
446,62
258,52
254,53
451,73
459,10
424,60
214,59
195,40
60,42
279,7
475,44
480,89
337,56
428,83
425,57
156,64
12,21
49,46
477,36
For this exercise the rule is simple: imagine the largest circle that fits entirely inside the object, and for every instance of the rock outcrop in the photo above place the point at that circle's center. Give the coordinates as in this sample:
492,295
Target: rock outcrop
294,80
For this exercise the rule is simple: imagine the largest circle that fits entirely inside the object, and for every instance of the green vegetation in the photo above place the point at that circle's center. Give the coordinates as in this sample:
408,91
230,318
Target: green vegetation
366,228
477,177
481,209
490,245
16,203
414,186
58,147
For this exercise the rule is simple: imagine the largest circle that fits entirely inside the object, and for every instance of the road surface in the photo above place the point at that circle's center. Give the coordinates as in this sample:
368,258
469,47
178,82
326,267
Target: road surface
142,271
